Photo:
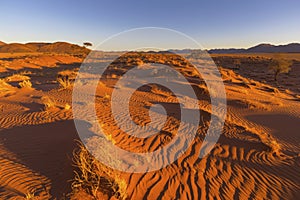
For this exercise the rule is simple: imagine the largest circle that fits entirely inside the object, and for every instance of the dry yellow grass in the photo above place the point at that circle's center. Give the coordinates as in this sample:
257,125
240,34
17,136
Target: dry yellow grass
48,102
4,86
25,84
93,177
29,195
17,78
67,106
64,82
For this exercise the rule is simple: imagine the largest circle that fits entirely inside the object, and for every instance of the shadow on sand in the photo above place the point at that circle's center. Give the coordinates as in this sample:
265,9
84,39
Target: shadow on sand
46,149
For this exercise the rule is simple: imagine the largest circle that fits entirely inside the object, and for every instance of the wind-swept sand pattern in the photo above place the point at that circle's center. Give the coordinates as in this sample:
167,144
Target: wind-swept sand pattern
256,157
248,162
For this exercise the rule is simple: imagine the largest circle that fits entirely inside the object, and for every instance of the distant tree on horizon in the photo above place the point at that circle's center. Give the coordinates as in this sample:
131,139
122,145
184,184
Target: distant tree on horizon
87,44
280,66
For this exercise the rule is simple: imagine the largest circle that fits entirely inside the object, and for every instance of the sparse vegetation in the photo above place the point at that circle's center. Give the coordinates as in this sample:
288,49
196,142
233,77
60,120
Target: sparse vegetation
67,106
2,84
48,102
29,195
252,134
279,66
17,77
64,82
5,88
94,178
71,74
25,84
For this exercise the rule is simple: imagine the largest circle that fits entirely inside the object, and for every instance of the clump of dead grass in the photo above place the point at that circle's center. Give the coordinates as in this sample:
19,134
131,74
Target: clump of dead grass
17,78
64,82
4,84
67,106
5,88
25,84
30,195
48,102
95,178
66,78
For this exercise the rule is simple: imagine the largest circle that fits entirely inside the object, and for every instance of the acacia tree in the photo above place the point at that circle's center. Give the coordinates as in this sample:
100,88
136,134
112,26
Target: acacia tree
279,66
87,44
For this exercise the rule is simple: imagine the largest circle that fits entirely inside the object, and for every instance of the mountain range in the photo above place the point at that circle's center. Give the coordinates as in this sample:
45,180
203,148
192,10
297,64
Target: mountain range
64,47
261,48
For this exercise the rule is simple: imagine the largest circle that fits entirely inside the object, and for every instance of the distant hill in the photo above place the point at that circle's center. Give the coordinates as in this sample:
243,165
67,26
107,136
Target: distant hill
35,46
268,48
262,48
62,47
15,47
57,47
2,43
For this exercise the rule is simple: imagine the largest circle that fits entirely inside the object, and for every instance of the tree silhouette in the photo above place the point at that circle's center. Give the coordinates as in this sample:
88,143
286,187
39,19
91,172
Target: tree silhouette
87,44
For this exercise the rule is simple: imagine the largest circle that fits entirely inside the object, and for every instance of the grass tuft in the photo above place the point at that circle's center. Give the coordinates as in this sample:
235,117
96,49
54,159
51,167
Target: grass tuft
25,84
64,82
48,102
94,177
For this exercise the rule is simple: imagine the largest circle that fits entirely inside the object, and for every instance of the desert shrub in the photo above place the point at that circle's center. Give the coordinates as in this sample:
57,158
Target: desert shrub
25,84
94,177
279,66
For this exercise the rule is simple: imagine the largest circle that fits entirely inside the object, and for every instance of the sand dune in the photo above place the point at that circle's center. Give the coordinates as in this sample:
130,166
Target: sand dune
256,157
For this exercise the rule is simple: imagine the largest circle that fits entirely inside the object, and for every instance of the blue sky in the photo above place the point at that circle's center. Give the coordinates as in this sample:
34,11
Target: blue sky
214,24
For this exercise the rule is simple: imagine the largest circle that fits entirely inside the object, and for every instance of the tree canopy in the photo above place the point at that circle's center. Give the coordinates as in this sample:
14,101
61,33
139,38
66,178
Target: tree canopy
87,44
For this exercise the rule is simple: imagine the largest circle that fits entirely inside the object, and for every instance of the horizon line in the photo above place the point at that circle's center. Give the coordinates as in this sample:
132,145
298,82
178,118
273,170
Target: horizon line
212,48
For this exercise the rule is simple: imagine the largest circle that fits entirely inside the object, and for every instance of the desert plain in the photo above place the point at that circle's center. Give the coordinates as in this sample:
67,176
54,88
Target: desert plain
41,157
